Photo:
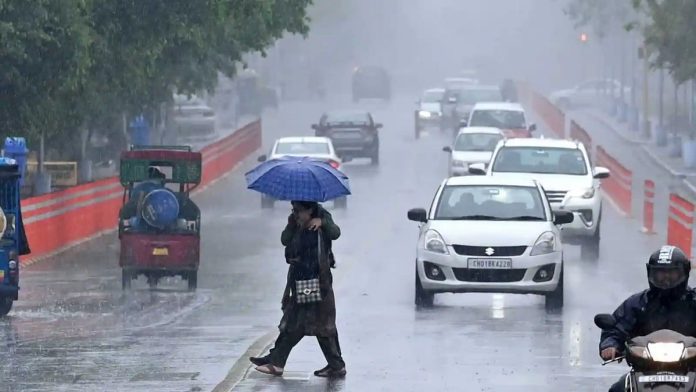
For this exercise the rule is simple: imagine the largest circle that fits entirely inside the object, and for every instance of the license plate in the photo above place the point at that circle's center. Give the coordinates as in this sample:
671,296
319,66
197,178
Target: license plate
664,378
490,263
347,135
160,252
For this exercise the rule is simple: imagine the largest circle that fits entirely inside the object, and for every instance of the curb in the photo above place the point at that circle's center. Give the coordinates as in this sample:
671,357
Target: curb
665,166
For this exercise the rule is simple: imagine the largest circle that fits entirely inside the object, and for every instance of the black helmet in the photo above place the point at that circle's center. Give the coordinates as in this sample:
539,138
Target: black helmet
668,270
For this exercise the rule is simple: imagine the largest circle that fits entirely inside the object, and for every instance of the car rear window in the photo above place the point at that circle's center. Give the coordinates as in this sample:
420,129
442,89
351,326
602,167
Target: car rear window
473,96
543,160
360,118
477,141
503,119
292,148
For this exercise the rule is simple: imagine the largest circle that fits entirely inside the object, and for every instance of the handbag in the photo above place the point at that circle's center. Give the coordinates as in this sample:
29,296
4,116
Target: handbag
309,291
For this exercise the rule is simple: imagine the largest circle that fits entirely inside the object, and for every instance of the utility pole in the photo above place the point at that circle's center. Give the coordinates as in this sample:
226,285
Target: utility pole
646,95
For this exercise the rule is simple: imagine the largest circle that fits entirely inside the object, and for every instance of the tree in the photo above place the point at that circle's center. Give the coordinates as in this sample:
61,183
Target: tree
671,35
605,17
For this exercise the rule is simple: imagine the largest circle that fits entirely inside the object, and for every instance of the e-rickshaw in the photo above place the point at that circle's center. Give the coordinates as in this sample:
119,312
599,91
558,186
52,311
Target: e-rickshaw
13,239
159,225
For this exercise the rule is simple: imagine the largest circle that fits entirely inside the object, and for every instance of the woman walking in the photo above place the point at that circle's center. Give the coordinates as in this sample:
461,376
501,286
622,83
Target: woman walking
309,307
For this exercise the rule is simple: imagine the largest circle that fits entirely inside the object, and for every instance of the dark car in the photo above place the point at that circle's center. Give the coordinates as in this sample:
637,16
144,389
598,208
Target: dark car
352,132
371,82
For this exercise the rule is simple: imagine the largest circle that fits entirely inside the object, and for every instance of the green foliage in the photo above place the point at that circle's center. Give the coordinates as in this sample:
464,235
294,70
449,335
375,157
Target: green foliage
68,64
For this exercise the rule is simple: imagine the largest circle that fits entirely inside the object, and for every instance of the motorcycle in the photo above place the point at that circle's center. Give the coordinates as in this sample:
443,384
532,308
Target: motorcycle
662,361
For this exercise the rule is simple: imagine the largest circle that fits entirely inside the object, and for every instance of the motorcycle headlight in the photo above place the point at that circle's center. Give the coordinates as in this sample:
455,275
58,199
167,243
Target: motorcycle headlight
435,243
689,353
585,193
666,352
639,351
545,244
424,114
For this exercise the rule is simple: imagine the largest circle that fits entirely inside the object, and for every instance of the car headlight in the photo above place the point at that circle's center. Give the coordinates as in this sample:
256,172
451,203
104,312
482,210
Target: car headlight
585,193
424,114
666,352
435,243
545,244
456,163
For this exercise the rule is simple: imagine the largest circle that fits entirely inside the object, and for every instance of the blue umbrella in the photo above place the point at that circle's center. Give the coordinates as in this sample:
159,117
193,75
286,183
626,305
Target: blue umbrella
298,178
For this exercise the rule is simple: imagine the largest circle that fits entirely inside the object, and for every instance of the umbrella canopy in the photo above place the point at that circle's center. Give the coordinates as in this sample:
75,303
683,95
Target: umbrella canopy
298,178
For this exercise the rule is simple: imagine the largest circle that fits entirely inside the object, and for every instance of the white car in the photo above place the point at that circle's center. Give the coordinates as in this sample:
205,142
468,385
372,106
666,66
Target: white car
489,234
587,93
304,146
564,170
508,116
472,145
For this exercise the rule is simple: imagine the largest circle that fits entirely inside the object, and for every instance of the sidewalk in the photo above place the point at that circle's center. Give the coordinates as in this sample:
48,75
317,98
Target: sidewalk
660,156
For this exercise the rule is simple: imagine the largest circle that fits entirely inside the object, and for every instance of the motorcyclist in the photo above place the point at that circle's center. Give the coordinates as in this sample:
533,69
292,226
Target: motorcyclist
668,304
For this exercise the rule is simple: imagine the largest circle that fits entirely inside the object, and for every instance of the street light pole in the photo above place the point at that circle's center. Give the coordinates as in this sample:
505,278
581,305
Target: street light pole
646,97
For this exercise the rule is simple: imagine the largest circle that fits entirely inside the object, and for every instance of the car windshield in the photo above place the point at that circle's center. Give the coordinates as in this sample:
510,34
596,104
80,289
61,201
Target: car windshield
433,96
540,160
479,202
504,119
477,141
347,118
294,148
472,96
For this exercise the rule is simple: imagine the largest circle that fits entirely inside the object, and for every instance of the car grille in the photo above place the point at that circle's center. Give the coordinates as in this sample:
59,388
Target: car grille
498,251
555,196
489,275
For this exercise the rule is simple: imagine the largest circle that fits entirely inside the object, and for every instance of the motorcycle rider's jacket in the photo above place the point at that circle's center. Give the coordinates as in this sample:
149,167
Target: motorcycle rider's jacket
650,311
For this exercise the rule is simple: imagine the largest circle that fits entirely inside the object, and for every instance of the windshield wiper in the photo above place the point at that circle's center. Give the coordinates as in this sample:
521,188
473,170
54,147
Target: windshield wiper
526,218
475,217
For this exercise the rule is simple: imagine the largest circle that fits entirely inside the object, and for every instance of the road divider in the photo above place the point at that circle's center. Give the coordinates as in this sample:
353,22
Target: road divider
619,185
552,115
649,207
57,221
680,221
578,133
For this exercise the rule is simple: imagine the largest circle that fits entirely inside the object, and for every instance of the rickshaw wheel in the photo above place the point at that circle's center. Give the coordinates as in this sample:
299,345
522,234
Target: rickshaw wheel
126,278
192,279
5,306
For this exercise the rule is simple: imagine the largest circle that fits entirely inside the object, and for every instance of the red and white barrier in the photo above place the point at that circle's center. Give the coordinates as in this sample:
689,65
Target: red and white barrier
59,220
619,185
649,208
680,222
552,116
578,133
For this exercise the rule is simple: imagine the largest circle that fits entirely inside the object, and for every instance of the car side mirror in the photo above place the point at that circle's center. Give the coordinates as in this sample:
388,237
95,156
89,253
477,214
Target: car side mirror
478,169
262,158
605,321
378,126
562,217
601,172
418,215
447,149
532,127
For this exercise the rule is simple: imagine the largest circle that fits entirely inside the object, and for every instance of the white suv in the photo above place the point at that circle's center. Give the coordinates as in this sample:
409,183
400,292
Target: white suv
571,184
489,234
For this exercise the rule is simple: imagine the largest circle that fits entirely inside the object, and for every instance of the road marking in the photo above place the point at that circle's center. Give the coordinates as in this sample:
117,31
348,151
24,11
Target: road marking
240,368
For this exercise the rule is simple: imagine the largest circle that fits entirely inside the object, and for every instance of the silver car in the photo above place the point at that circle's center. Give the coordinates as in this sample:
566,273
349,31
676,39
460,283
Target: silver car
192,119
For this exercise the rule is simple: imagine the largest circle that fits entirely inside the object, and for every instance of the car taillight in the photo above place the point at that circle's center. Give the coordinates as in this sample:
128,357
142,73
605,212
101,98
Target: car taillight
334,164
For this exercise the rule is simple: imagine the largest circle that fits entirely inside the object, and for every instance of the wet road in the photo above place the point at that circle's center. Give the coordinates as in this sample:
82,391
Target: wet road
74,330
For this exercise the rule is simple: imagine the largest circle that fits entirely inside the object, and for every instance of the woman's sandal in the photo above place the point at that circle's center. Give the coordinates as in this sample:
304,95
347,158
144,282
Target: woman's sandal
270,369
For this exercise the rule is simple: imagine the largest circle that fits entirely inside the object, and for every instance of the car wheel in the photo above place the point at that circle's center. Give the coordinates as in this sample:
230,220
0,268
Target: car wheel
589,250
267,202
423,298
5,305
341,202
192,278
554,299
126,279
